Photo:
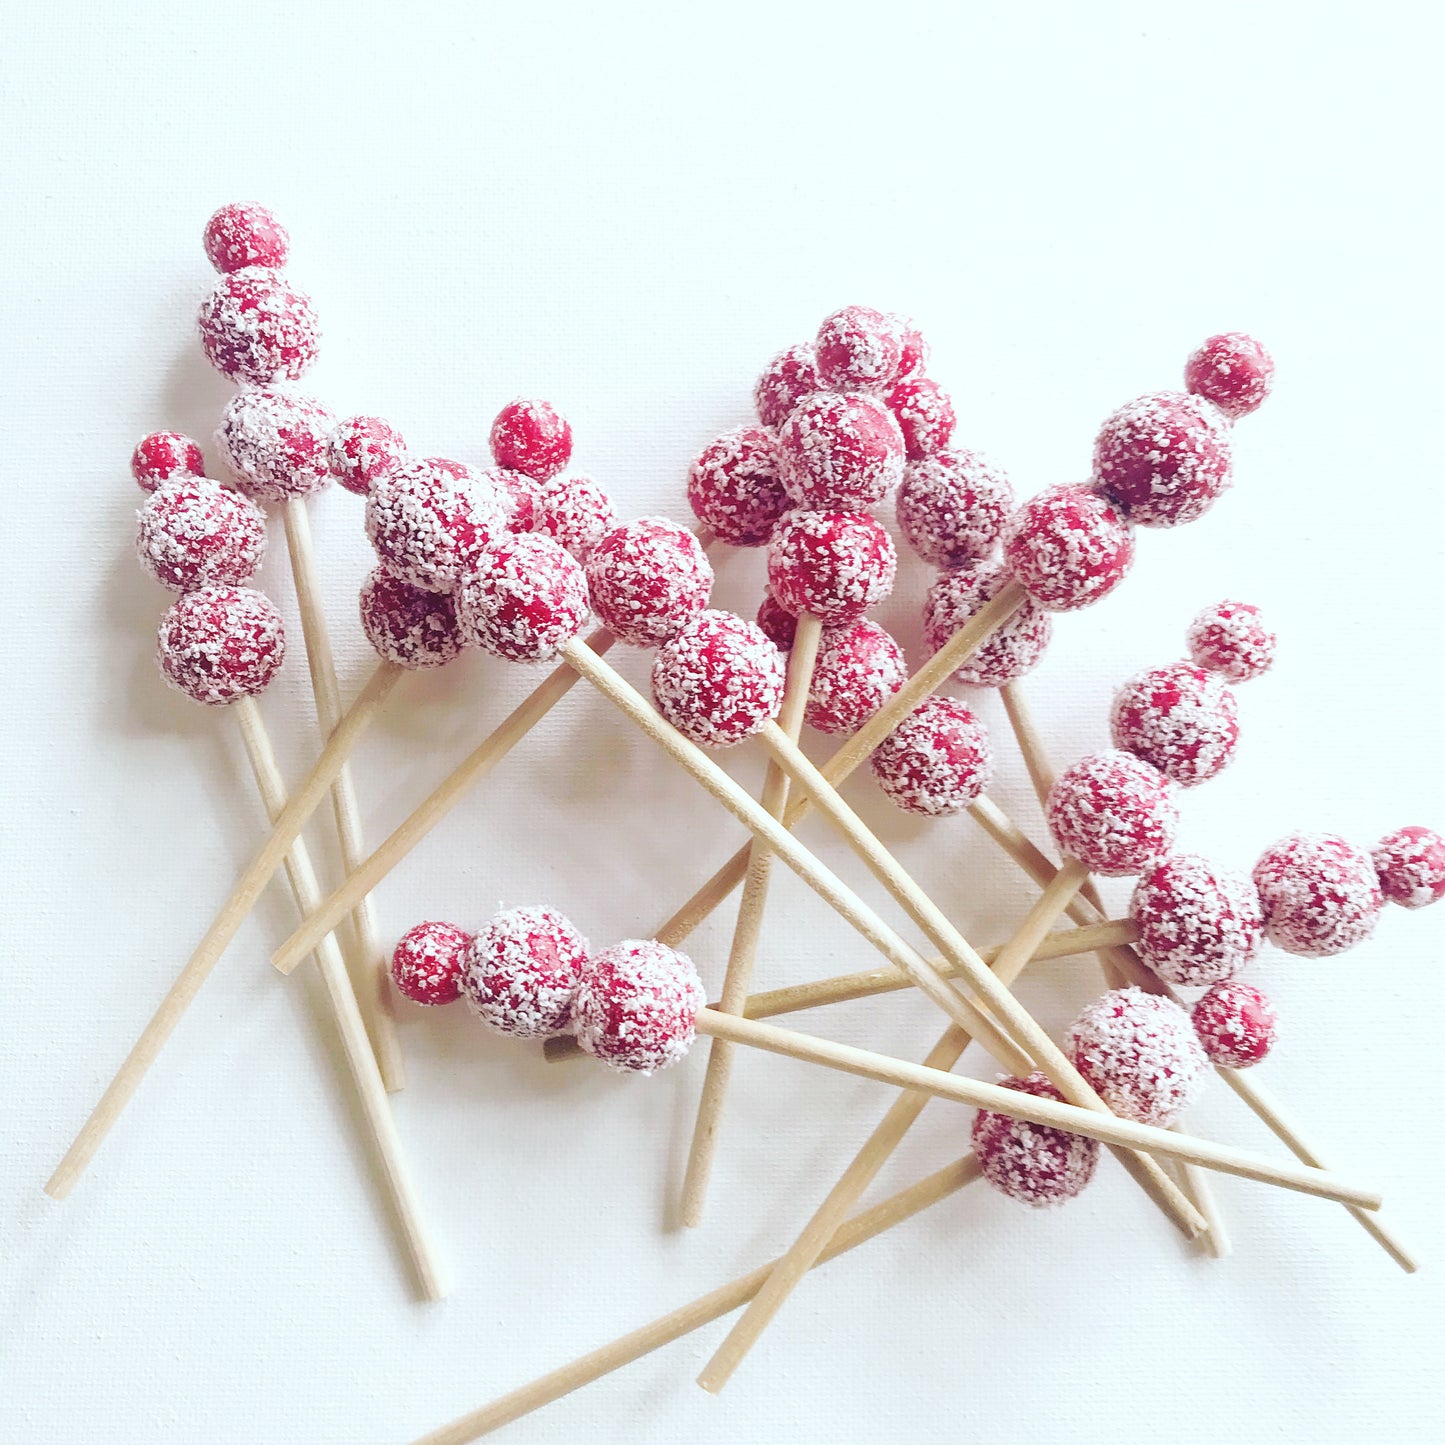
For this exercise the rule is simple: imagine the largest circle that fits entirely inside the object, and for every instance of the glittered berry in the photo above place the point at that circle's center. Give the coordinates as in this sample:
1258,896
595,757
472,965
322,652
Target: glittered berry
524,600
790,377
647,578
859,347
1010,650
407,626
952,507
1181,718
718,680
532,437
924,413
1410,864
636,1006
1197,924
1320,894
257,328
1035,1164
220,644
936,761
1113,812
1068,546
574,511
521,971
1163,459
1230,638
361,449
243,235
426,964
834,565
1236,1025
194,533
1233,371
778,624
914,352
165,456
735,486
859,667
276,443
843,452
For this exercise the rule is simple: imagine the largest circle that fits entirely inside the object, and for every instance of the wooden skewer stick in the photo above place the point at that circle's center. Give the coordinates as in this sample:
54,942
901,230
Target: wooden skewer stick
248,889
366,1077
746,933
701,1311
380,1010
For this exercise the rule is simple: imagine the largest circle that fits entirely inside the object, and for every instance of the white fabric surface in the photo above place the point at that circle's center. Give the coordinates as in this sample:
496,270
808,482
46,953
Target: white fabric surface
627,210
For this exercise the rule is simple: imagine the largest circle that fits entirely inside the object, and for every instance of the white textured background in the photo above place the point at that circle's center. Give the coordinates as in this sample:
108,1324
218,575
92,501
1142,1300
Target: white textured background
627,210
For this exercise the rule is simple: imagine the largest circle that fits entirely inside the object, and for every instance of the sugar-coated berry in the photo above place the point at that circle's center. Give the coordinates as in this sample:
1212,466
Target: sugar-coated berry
914,352
843,452
1140,1054
1035,1164
952,507
1113,812
924,413
1410,864
859,667
257,328
1010,650
518,495
1069,547
243,235
1181,718
790,377
1233,371
532,437
524,600
521,971
834,565
574,512
220,644
1236,1024
735,486
1320,894
276,443
193,533
647,578
1230,638
1197,924
859,347
163,456
426,964
1163,458
718,680
430,518
406,625
936,761
636,1006
361,449
778,624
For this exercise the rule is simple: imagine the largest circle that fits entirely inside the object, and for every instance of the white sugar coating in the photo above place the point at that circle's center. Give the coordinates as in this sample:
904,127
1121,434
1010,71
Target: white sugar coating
735,486
1114,812
1180,718
1140,1054
525,598
859,667
936,761
276,443
1410,864
430,518
636,1006
257,328
834,565
520,973
1010,650
844,451
1069,546
1230,638
219,644
574,511
1236,1024
406,625
647,578
952,507
1197,924
426,964
1036,1164
719,680
859,347
194,533
1320,894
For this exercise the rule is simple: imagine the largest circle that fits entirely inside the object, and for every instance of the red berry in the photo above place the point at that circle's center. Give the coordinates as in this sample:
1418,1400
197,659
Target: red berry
953,506
936,761
245,235
525,599
1231,639
1233,371
1035,1164
257,328
1113,812
194,533
1010,650
1164,459
1236,1025
924,413
778,624
574,512
859,347
407,626
790,377
1180,718
843,452
521,972
1320,894
647,578
361,449
1197,924
426,964
220,644
718,680
532,437
1068,546
834,565
1410,864
164,456
735,487
636,1006
859,668
276,443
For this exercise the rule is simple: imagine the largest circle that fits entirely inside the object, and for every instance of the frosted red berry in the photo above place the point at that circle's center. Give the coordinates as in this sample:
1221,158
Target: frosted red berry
790,377
164,456
257,328
1233,371
735,486
1113,812
243,235
220,644
1068,546
1410,864
1197,924
834,565
1236,1025
719,680
924,413
1230,638
406,625
1035,1164
1010,650
914,349
636,1006
647,578
843,452
859,667
778,624
532,437
1180,718
426,964
574,511
361,449
858,347
1320,894
1163,459
524,600
518,495
936,761
194,533
952,507
276,443
521,971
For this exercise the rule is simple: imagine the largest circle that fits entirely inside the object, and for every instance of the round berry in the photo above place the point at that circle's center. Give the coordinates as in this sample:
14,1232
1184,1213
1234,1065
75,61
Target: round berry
165,456
194,533
859,347
1035,1164
936,761
914,353
718,680
524,601
834,565
532,437
407,626
426,964
1233,371
1068,546
1197,924
1013,648
790,377
859,668
1236,1025
1180,718
521,971
1410,864
243,235
574,512
361,449
924,413
647,578
1113,812
1164,459
1231,639
844,452
220,644
1320,894
636,1006
257,328
778,624
429,520
952,507
276,444
735,486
